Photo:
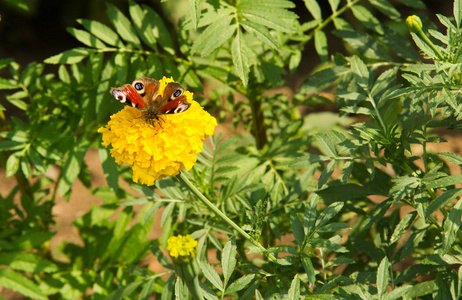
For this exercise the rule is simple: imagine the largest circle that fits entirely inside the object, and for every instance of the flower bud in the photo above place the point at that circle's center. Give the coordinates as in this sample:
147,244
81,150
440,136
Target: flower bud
414,24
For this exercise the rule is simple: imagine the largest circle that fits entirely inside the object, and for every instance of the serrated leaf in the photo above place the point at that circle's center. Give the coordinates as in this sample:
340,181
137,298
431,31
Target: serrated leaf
311,214
123,26
452,226
277,19
101,31
294,291
72,165
240,52
215,35
444,182
239,284
211,275
21,284
71,56
320,44
228,259
360,72
442,200
260,32
452,157
383,277
314,9
86,38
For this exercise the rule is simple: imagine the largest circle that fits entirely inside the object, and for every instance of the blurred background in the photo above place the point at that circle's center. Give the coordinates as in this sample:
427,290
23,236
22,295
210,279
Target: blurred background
32,30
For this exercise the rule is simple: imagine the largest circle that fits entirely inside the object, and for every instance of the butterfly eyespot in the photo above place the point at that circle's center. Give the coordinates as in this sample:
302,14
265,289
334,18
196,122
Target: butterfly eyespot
177,93
139,86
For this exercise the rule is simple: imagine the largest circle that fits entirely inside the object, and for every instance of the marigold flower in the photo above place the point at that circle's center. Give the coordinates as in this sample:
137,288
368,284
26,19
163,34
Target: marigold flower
182,248
162,148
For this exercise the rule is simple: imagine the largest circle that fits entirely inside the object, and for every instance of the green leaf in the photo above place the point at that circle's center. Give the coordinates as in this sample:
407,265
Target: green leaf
297,227
457,12
326,173
345,192
12,164
330,212
123,25
167,291
143,25
239,284
364,44
260,32
228,259
240,52
367,18
27,262
125,291
211,275
334,4
102,32
86,38
402,227
368,248
444,182
320,44
73,164
442,200
383,277
109,167
314,9
16,282
360,72
309,269
294,291
452,157
215,35
272,17
6,84
195,11
71,56
326,144
386,8
311,214
452,226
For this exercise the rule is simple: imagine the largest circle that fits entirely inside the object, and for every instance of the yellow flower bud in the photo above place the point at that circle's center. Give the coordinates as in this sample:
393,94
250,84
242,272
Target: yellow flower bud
182,248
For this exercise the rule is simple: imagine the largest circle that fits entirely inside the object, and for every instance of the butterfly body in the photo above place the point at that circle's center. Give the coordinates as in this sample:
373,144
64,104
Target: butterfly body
143,94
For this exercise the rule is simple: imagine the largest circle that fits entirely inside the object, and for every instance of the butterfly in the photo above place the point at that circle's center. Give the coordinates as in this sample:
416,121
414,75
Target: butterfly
143,94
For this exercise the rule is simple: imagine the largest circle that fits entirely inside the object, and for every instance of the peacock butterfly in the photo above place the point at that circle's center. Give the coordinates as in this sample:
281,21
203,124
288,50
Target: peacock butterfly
142,94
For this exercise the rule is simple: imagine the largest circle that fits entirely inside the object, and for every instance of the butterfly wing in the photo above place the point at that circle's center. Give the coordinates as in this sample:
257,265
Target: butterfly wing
140,94
173,100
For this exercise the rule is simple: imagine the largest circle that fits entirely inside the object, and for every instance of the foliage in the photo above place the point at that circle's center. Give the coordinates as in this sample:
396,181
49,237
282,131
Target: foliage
338,191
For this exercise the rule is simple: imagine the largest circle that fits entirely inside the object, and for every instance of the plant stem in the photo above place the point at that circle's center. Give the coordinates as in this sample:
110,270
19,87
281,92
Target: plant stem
182,177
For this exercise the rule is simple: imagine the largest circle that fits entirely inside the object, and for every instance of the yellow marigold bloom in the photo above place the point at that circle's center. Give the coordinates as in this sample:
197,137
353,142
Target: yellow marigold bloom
158,149
182,248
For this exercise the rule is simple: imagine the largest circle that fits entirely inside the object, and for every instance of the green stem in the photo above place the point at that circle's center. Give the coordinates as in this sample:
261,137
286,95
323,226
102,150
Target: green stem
182,177
427,41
